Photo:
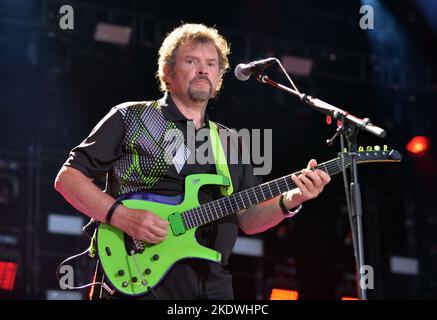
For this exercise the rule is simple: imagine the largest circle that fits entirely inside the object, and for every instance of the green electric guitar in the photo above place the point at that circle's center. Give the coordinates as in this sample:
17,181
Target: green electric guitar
133,267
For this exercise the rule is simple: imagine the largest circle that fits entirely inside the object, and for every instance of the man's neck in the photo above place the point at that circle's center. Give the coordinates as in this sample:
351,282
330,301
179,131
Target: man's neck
190,109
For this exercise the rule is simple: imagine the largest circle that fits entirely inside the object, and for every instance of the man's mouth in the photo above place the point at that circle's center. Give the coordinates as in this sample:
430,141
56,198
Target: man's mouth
202,80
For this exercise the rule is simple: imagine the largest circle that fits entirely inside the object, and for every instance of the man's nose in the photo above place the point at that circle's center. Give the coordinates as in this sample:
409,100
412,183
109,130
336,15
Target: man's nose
202,69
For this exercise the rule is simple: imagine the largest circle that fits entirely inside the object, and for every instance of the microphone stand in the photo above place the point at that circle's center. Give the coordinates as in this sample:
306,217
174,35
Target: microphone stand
349,128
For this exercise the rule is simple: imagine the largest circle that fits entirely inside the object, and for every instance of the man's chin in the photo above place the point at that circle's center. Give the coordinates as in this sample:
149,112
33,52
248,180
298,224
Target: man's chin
200,96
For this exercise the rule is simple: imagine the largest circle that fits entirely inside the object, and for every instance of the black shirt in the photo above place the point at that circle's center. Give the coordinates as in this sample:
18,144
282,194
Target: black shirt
131,146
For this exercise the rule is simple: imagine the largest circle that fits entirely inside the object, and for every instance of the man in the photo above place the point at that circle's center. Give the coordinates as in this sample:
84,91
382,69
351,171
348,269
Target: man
128,145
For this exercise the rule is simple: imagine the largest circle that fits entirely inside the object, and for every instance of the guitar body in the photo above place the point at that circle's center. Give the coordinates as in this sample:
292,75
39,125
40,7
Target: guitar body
134,274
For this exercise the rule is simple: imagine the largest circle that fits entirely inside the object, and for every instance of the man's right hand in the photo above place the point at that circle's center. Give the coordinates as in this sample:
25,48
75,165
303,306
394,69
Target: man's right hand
140,224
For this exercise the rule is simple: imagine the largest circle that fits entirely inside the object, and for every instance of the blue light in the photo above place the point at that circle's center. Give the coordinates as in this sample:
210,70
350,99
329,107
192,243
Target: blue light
388,38
428,8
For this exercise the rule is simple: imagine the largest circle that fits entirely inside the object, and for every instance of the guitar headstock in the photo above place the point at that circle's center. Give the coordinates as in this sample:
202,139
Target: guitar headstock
373,154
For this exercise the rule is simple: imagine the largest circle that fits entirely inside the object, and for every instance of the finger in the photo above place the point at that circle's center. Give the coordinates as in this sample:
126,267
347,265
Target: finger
312,163
161,222
300,185
309,185
149,237
158,231
315,178
324,176
158,239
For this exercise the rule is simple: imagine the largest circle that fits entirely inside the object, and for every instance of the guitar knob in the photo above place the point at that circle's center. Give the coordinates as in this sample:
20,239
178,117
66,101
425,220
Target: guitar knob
147,271
124,284
134,279
155,257
121,273
377,148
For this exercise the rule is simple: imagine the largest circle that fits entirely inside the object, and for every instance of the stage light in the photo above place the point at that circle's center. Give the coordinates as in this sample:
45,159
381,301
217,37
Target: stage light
418,145
65,224
349,298
112,33
8,273
284,294
63,295
249,247
298,66
404,265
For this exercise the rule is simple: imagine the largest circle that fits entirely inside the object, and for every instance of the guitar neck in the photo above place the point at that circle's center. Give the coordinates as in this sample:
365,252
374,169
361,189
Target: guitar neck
242,200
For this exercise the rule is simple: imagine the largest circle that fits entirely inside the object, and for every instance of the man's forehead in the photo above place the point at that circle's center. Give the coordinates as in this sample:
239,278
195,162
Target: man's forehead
192,48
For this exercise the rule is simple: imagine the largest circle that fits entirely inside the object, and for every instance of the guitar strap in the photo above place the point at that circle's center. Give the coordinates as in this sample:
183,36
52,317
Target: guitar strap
221,164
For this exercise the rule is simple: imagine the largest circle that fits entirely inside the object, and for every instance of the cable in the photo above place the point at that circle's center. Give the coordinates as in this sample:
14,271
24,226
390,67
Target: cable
66,286
288,77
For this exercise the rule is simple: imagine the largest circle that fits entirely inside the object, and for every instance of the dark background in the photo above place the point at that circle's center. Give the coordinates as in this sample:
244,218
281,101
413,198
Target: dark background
55,85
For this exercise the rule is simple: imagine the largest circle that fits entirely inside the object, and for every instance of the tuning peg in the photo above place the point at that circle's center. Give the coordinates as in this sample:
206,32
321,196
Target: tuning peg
360,149
385,147
344,150
377,148
369,148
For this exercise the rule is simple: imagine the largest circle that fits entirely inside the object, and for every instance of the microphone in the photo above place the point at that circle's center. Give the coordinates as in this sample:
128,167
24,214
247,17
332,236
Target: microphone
244,71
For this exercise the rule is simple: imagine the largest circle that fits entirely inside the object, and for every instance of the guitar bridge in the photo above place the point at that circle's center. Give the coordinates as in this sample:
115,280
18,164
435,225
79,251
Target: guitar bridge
139,245
134,245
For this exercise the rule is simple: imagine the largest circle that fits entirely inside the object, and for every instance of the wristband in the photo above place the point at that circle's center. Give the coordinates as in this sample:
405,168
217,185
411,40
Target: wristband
287,212
111,211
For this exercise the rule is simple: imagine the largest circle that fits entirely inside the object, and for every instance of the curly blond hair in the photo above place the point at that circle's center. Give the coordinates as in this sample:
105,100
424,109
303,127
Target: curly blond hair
187,33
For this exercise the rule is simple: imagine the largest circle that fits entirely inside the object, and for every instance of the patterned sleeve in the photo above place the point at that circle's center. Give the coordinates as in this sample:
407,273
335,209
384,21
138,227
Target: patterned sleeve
97,153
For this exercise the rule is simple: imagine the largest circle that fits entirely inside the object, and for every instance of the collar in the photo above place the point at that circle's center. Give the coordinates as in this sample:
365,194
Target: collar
171,111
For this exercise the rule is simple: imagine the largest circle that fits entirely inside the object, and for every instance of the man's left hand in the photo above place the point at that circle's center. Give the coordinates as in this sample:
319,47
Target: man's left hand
309,185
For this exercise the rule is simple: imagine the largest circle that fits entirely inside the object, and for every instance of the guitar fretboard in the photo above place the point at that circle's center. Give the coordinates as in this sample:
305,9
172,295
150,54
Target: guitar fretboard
242,200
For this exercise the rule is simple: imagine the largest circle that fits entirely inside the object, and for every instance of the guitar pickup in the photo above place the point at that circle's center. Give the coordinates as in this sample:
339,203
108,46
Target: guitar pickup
176,224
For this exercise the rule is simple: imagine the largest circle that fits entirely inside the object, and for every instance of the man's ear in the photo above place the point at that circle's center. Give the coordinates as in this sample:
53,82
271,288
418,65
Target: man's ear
168,74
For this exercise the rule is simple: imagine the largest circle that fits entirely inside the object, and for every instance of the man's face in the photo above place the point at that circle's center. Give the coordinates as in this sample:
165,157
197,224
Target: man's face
195,72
